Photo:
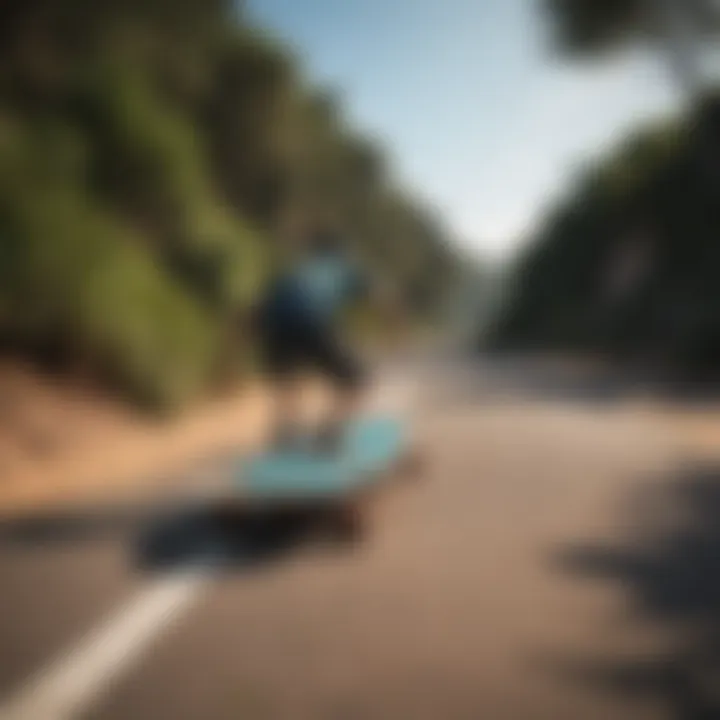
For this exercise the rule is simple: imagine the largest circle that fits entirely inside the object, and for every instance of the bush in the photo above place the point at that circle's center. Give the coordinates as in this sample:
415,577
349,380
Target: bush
73,272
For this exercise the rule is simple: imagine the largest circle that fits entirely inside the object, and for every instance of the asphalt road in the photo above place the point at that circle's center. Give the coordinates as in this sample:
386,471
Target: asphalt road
556,558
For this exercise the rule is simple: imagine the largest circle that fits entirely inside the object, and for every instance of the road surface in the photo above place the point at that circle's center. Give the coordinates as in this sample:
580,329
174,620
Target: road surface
558,560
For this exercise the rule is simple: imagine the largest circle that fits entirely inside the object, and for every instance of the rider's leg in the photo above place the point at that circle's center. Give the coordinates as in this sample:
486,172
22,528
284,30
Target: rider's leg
348,382
282,360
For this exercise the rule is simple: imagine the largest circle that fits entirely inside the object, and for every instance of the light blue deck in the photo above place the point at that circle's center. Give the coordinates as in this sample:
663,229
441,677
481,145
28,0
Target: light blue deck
371,444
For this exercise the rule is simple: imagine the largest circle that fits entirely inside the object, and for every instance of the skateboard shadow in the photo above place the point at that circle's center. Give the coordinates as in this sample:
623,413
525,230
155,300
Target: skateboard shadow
233,539
668,571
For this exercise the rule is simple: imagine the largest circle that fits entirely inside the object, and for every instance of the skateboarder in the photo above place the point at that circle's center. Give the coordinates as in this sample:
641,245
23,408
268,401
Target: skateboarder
299,322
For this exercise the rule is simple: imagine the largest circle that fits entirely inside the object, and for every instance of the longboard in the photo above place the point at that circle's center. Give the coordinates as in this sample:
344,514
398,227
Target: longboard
340,482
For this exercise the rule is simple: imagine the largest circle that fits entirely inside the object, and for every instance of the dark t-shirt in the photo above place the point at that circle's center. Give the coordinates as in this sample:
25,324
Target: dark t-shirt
315,291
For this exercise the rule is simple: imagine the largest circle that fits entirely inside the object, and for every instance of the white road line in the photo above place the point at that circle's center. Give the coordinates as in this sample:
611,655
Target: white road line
78,678
74,680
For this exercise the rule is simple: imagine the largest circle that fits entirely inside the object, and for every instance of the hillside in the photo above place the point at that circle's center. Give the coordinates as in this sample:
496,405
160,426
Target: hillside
628,265
157,161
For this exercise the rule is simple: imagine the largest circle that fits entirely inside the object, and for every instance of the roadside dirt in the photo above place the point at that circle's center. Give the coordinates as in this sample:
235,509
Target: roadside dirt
59,443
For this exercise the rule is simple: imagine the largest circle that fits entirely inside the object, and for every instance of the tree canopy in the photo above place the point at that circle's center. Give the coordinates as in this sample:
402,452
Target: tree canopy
628,263
591,26
587,28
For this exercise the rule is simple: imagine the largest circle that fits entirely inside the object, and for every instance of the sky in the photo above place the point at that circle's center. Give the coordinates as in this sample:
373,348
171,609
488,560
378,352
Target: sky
477,115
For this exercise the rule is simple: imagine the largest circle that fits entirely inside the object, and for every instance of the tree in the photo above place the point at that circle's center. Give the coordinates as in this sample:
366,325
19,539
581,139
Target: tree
628,264
681,27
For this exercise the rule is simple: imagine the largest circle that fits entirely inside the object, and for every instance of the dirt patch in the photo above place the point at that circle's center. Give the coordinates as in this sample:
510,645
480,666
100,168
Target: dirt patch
61,443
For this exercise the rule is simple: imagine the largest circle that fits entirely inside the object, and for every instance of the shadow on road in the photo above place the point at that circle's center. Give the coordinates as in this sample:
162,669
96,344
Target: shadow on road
590,384
670,571
164,539
226,538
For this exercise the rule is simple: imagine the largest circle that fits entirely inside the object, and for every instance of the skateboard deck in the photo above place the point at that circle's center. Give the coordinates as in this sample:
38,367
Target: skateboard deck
370,446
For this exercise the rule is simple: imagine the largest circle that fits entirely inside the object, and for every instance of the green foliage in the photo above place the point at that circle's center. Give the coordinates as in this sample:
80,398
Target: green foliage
72,274
149,151
582,27
151,335
649,207
152,165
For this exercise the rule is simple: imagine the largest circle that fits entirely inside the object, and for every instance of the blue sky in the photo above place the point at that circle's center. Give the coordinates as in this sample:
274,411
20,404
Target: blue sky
478,117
